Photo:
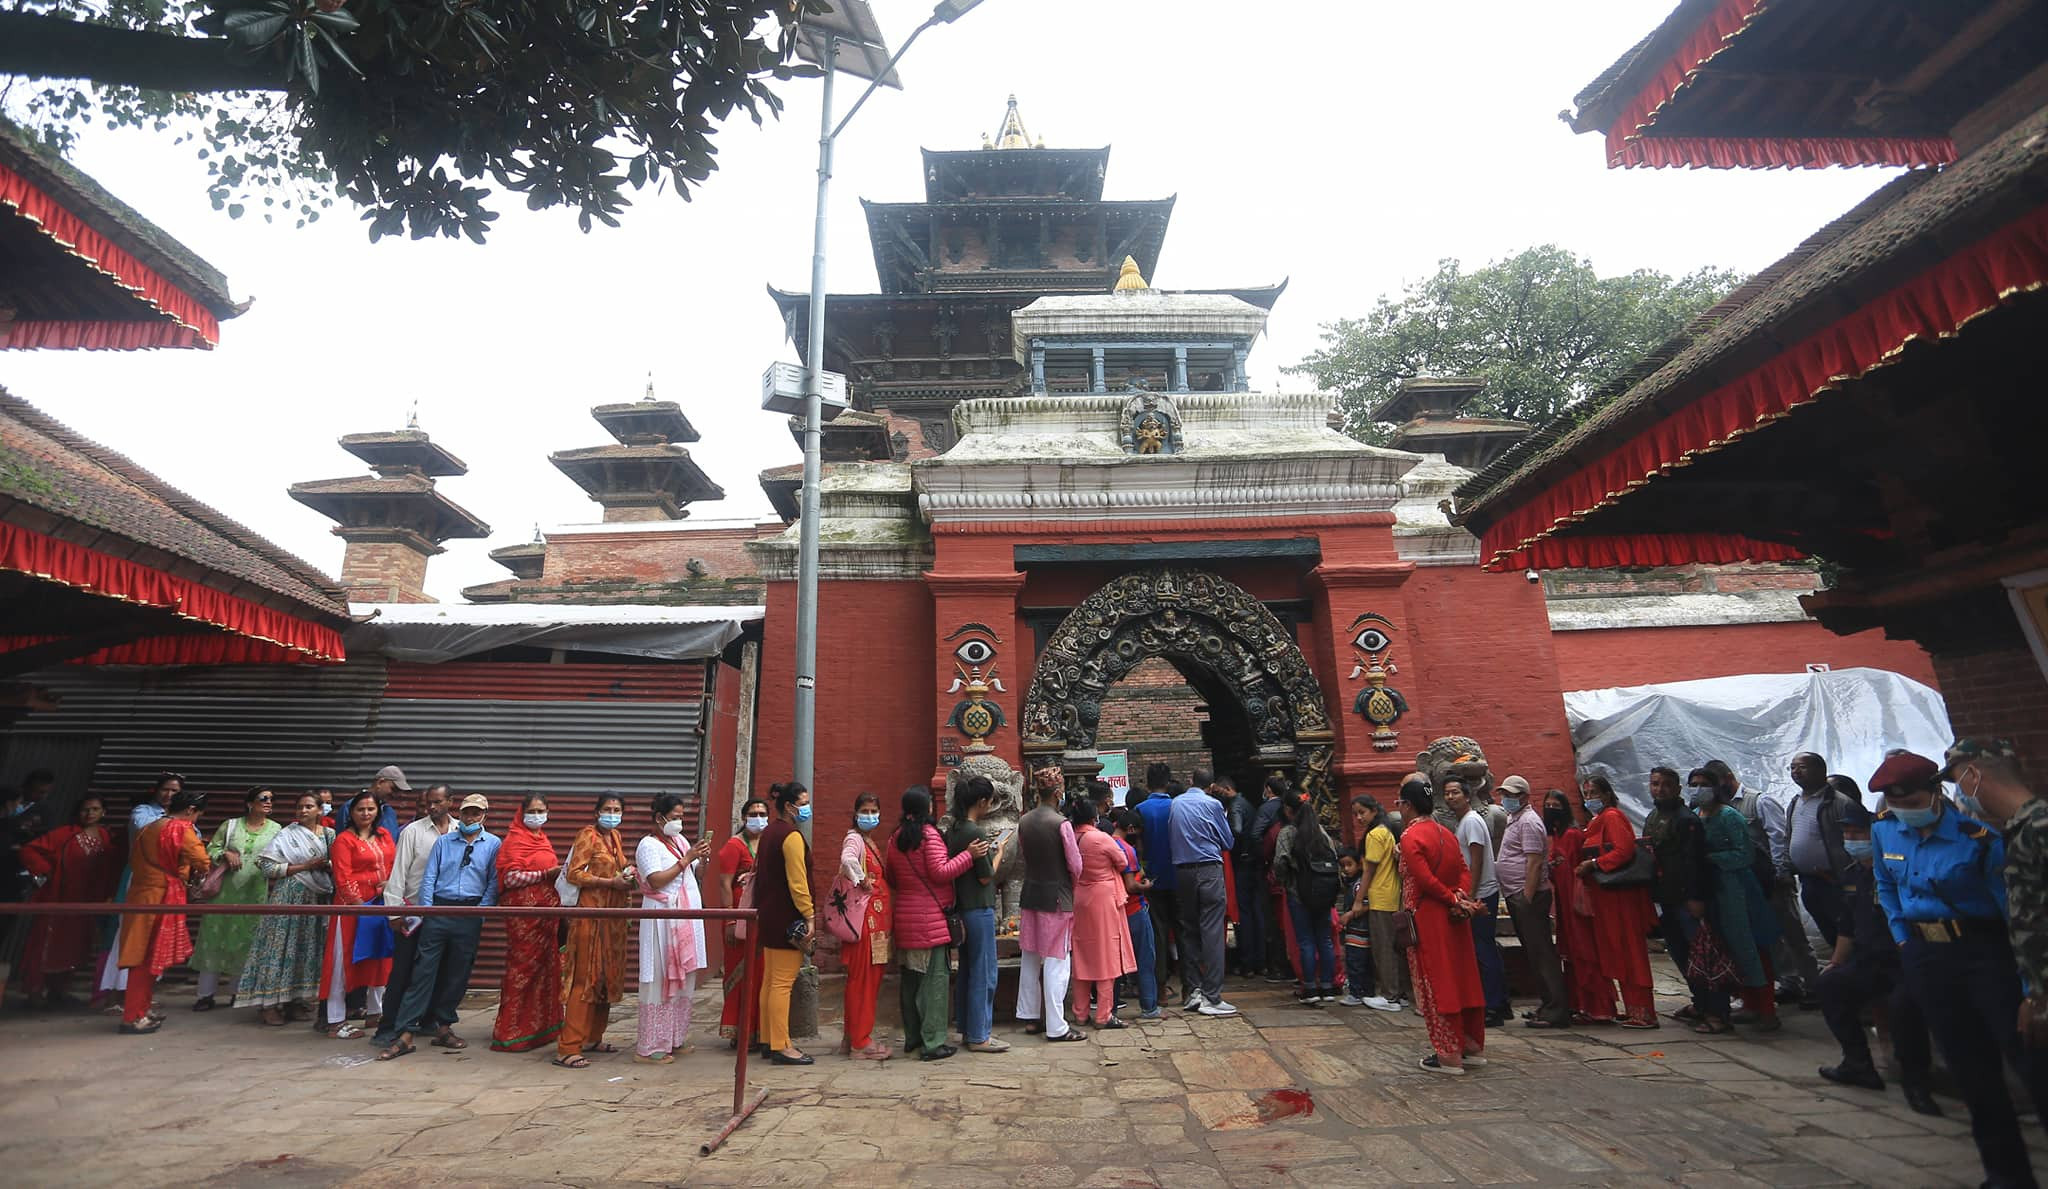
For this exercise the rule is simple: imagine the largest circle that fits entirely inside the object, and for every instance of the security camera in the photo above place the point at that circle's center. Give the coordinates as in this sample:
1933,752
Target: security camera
1532,576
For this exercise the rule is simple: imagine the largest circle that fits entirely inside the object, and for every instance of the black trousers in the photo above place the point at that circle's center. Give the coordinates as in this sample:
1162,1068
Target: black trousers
440,973
1165,909
1845,990
1970,992
1823,901
403,947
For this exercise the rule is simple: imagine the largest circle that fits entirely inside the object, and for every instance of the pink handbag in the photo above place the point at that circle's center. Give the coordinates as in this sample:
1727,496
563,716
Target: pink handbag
846,909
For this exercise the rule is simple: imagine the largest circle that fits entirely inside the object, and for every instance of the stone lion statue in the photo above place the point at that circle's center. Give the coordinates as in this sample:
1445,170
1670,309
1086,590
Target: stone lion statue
1455,756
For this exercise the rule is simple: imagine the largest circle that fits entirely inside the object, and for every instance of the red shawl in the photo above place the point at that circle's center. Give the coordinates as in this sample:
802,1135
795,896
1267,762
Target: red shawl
525,849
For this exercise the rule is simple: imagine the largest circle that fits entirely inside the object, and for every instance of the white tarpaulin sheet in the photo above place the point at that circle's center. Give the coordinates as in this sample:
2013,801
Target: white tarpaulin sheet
1850,717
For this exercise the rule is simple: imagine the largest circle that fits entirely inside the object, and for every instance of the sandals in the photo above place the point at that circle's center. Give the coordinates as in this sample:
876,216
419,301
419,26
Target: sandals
1070,1034
448,1040
1641,1025
1713,1027
656,1059
203,1003
875,1052
146,1027
272,1018
1111,1022
600,1047
347,1032
573,1061
683,1050
403,1048
1033,1029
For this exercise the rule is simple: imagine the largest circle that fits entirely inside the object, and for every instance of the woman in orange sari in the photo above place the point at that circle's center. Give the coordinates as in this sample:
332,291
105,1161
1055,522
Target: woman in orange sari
735,868
72,864
530,1002
594,969
358,948
164,855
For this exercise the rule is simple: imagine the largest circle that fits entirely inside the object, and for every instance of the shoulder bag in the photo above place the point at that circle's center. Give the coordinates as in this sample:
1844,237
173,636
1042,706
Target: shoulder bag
1640,870
956,923
201,888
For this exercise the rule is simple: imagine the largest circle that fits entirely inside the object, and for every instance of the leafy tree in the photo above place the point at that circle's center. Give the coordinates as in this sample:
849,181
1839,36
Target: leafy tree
400,105
1541,327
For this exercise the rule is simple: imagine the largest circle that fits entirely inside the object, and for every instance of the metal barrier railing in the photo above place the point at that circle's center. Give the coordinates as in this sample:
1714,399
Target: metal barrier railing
742,1105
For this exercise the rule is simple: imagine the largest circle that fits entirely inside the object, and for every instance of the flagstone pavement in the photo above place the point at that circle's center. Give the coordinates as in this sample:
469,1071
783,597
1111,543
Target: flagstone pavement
1283,1094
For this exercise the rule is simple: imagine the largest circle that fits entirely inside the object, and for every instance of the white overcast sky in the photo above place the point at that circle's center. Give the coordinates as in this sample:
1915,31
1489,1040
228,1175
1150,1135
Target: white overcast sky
1343,146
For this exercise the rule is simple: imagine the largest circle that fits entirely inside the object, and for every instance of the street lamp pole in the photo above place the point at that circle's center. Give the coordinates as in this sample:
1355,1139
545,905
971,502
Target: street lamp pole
802,761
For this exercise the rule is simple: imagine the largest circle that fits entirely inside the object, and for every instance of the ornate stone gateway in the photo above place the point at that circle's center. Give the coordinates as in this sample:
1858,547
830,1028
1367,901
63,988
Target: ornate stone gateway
1193,618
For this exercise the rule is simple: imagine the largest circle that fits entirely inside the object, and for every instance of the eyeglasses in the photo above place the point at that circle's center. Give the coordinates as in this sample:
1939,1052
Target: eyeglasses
468,849
265,800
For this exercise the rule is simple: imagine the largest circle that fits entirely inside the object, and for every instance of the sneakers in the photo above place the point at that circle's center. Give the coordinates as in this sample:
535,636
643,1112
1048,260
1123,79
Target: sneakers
1351,1001
991,1045
1308,995
1216,1007
1381,1003
1194,1002
1845,1074
1154,1014
1278,976
1430,1064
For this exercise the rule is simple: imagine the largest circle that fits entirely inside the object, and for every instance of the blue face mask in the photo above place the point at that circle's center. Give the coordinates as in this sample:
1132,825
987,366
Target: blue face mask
867,821
1859,849
470,829
1916,819
1699,798
1970,806
803,813
610,821
1594,805
1511,804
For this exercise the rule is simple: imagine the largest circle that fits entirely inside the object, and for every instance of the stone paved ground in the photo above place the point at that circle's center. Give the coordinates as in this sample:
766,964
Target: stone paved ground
1184,1104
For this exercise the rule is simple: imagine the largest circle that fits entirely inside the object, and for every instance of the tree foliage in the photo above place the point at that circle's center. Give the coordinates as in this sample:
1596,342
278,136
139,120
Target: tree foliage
1541,327
402,106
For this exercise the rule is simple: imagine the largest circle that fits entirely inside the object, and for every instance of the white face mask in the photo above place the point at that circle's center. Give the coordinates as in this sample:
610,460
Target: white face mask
535,821
756,824
672,827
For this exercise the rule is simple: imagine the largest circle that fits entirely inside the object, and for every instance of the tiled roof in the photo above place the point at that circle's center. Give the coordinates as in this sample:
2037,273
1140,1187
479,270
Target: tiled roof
46,465
1908,224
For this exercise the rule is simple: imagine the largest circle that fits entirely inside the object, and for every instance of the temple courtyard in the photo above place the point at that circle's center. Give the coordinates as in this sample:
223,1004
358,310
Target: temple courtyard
1283,1095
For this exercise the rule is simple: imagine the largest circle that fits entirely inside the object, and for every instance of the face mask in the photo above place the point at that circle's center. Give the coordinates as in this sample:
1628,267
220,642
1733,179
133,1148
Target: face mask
609,821
1511,804
803,813
867,821
672,828
1857,848
1393,819
1594,804
1699,798
1557,819
1970,806
1917,819
326,808
535,821
471,829
756,824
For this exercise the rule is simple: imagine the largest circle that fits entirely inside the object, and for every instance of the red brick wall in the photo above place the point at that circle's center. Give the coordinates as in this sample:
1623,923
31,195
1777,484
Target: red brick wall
1154,713
384,572
648,557
1482,644
2000,693
1605,658
874,704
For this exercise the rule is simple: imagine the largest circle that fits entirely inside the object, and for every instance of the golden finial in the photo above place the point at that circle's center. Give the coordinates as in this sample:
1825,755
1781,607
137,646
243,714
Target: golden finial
1012,135
1129,279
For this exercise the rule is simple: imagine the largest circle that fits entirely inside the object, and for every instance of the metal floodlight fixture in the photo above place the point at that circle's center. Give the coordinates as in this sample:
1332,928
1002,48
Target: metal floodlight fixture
782,391
949,11
860,50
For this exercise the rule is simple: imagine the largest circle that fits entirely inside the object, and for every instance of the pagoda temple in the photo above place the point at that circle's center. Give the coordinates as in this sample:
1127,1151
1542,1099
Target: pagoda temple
1000,226
394,520
647,475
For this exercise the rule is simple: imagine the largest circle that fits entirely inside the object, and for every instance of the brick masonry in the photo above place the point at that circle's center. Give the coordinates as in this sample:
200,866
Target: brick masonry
1641,656
1156,715
383,572
1999,692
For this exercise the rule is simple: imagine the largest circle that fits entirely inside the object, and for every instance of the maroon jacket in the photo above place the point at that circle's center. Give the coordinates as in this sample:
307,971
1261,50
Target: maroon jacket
921,884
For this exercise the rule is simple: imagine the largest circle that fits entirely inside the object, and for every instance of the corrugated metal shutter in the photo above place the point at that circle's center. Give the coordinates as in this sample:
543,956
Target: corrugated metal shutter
563,731
292,726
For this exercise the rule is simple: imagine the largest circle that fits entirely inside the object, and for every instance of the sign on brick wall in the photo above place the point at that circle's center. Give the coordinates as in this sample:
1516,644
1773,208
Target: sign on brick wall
1116,772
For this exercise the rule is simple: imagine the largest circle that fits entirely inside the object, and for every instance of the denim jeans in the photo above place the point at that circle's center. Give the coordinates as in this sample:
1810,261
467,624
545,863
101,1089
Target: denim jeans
1493,976
1312,938
975,997
1143,950
1358,976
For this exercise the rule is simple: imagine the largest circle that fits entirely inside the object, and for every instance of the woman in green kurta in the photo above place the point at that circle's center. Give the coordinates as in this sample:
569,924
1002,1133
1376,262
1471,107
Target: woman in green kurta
1740,912
224,940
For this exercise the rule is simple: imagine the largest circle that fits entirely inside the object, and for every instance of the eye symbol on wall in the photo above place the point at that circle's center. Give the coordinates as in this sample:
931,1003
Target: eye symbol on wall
1371,640
975,652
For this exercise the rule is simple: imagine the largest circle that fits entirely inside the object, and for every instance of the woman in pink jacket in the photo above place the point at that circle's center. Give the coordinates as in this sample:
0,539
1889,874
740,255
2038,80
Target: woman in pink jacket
921,880
1102,935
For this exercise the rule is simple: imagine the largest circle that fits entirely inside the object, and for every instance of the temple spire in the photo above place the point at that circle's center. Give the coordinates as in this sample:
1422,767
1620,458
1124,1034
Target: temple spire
1012,134
1129,278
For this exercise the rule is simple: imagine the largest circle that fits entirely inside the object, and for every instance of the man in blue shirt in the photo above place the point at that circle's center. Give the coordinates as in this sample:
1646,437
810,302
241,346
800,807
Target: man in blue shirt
462,869
1939,880
1198,834
1158,863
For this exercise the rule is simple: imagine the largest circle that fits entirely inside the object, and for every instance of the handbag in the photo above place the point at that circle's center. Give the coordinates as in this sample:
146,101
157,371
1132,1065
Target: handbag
1404,929
565,891
1708,964
956,922
201,888
1637,874
846,907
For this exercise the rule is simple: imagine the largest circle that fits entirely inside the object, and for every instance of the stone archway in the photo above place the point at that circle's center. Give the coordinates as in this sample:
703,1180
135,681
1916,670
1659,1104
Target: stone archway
1194,619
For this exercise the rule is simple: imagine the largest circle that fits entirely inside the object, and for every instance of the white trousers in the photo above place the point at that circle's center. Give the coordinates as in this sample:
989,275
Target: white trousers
337,990
1042,991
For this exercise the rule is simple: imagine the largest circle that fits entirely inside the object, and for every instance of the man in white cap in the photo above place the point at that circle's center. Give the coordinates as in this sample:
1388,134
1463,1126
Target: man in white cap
389,779
461,870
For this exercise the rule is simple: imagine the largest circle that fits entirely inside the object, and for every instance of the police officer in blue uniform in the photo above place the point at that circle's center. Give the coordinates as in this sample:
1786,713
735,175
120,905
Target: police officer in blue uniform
1939,878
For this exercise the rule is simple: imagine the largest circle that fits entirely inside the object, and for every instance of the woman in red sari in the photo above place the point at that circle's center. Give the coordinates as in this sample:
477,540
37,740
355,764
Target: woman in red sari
1621,916
530,1001
867,956
164,855
72,864
735,869
1437,887
360,861
1592,997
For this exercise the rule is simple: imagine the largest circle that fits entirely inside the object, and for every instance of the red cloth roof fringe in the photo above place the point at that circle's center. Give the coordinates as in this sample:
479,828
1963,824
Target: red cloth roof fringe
260,635
1628,146
1935,304
78,239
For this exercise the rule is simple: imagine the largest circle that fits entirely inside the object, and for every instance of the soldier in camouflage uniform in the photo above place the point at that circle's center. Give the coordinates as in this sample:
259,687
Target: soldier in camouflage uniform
1986,772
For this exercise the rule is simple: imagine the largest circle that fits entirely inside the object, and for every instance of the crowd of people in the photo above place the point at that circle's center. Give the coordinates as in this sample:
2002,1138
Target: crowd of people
1933,910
